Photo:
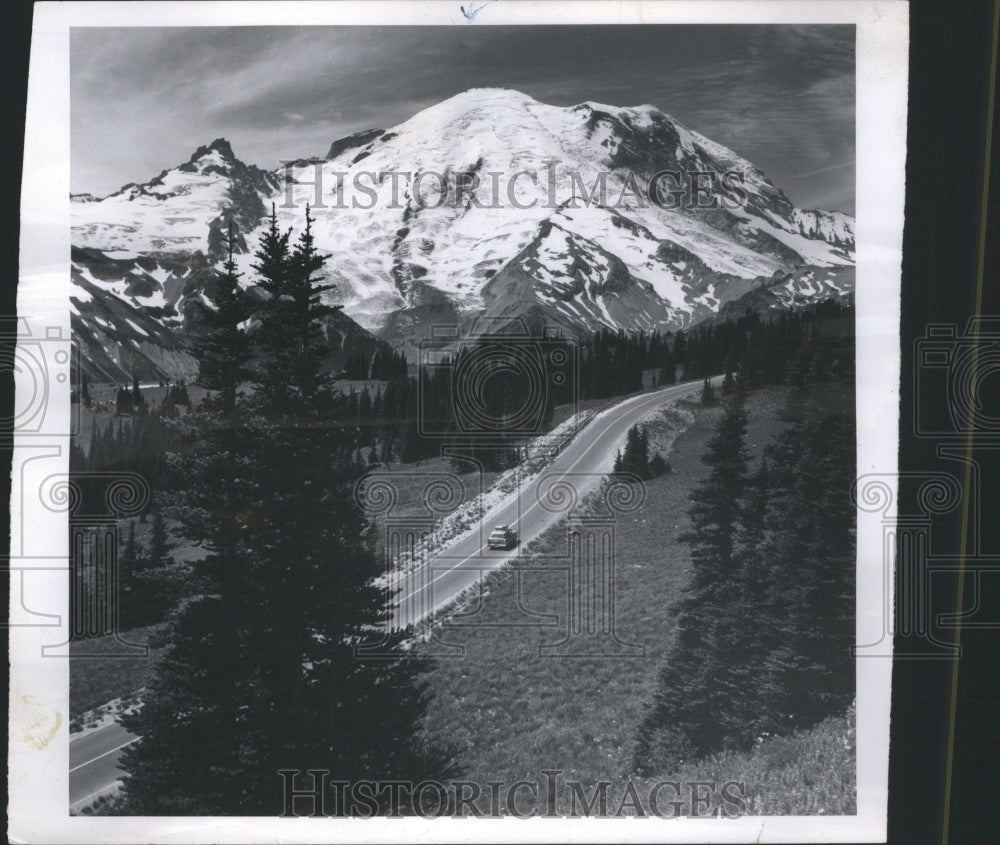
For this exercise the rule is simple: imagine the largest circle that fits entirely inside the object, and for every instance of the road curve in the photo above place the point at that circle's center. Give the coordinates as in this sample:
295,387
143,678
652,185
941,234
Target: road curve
589,456
582,464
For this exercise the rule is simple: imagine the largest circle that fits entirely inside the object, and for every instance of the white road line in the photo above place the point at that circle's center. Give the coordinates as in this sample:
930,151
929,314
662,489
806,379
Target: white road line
100,756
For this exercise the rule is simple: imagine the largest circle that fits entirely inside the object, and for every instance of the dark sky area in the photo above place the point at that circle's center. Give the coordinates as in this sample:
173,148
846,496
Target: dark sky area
142,99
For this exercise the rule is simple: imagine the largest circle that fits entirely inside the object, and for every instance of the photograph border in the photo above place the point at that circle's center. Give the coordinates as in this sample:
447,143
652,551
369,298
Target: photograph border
39,686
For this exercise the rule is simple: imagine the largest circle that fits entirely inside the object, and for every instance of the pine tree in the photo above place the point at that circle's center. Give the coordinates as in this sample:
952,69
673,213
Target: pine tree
159,544
658,465
151,583
261,673
751,531
807,557
636,458
707,668
291,334
129,559
667,374
224,361
123,402
275,333
716,503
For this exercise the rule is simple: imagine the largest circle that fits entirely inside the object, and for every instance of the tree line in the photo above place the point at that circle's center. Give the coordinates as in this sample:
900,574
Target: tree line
637,460
421,416
755,348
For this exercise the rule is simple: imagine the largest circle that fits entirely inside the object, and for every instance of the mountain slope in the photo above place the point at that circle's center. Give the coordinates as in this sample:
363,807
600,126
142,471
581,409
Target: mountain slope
181,211
487,203
387,254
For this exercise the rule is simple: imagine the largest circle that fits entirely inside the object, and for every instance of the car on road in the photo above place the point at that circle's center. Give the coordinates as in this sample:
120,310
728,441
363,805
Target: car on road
502,537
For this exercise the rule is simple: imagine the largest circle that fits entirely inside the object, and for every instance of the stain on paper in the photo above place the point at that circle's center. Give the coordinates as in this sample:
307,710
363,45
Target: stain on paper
33,723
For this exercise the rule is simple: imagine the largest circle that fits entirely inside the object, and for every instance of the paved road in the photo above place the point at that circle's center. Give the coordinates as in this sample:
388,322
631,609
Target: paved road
453,569
583,463
93,762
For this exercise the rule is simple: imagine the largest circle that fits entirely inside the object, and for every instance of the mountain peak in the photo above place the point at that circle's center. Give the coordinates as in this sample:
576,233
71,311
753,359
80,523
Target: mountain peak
645,111
473,98
476,97
217,157
492,93
219,146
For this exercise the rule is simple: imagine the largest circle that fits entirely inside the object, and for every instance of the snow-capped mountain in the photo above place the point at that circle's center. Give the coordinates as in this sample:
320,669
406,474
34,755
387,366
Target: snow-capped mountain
489,203
143,255
182,211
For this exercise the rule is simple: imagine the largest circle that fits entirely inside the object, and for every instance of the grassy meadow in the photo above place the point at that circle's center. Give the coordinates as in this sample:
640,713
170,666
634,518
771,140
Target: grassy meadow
511,711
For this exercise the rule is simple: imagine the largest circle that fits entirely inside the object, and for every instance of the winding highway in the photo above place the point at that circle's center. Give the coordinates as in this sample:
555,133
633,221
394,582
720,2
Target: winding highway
449,571
579,468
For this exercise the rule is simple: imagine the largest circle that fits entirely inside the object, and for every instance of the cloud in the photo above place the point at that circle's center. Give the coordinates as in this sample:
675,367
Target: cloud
143,99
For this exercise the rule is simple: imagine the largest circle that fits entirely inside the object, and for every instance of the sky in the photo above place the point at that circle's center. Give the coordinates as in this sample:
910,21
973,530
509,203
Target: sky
143,99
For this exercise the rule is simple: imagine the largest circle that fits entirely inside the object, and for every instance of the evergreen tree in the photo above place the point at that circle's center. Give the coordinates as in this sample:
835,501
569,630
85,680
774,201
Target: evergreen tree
410,447
667,376
680,349
751,532
159,544
294,372
260,672
151,582
808,558
223,365
716,504
696,708
636,458
275,333
765,629
658,465
128,562
124,403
